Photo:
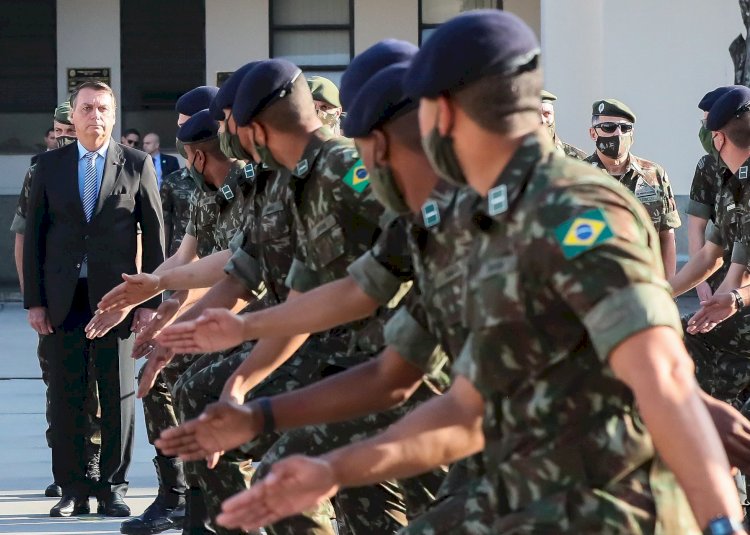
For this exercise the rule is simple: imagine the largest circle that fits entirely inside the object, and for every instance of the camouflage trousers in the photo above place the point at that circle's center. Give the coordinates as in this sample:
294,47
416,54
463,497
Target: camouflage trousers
378,509
722,358
93,411
464,504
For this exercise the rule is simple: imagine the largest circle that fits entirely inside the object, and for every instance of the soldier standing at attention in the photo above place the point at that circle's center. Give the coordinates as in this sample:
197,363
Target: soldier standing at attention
327,104
612,131
548,120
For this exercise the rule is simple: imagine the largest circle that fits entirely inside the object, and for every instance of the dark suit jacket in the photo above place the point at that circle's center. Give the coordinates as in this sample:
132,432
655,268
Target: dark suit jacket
168,164
58,236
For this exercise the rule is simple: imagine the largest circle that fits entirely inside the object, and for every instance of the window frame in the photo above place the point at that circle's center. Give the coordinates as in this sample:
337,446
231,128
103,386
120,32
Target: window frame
421,26
274,27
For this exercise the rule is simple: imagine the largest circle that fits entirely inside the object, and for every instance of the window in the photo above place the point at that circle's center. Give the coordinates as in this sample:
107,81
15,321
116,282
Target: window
28,74
432,13
163,55
318,36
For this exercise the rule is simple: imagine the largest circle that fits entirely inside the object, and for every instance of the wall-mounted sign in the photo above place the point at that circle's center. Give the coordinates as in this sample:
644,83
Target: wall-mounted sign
76,76
221,77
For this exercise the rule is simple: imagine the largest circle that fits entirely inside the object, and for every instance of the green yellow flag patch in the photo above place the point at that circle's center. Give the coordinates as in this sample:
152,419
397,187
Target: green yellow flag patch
357,178
584,232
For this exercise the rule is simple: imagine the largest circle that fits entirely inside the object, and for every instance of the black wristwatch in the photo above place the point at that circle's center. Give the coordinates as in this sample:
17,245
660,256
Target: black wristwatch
723,525
738,301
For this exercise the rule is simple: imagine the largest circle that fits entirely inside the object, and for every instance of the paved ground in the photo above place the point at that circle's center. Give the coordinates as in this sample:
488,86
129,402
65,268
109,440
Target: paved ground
24,456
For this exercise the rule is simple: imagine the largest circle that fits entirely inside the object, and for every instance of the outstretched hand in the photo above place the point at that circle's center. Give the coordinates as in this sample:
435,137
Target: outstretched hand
713,311
133,291
215,330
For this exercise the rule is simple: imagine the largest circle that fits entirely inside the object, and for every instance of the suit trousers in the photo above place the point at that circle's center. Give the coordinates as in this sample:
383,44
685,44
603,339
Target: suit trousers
69,354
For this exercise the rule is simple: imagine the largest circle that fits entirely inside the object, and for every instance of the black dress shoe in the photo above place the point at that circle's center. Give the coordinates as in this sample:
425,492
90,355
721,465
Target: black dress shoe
113,505
70,505
53,491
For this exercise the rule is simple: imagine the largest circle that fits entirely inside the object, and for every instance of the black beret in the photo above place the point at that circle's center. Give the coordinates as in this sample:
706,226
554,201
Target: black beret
733,102
364,65
225,97
265,83
473,45
379,100
196,100
200,127
711,97
613,107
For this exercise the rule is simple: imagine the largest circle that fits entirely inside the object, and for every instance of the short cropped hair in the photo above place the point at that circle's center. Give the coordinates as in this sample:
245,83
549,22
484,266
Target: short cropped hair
96,85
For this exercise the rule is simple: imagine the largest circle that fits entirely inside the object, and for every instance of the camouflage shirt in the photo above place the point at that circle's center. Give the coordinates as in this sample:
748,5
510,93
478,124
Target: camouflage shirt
18,225
649,183
336,219
704,189
731,228
234,202
176,190
564,267
203,213
569,150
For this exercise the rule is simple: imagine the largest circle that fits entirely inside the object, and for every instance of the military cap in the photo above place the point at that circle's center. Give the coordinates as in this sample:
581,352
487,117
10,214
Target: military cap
62,113
200,127
468,47
547,96
712,96
196,100
364,65
225,96
379,100
613,107
324,90
265,83
731,104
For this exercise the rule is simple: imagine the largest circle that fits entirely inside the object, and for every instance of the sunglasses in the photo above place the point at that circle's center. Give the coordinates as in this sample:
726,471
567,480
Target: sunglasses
611,128
132,142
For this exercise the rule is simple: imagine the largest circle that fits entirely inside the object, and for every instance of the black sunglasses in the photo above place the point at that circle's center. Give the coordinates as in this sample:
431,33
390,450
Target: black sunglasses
133,142
611,128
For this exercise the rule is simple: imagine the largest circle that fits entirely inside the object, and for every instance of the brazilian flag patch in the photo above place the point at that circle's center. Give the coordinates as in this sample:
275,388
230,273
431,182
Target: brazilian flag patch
357,178
584,232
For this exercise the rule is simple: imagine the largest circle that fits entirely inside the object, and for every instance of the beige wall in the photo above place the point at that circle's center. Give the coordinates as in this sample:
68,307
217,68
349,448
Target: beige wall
236,33
528,10
88,36
376,20
658,57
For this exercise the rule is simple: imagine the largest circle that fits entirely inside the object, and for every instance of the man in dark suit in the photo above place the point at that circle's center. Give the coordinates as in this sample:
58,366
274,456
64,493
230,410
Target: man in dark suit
87,201
163,163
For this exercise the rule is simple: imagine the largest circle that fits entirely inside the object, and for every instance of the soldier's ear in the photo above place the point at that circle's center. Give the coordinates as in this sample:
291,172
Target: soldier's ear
446,115
380,147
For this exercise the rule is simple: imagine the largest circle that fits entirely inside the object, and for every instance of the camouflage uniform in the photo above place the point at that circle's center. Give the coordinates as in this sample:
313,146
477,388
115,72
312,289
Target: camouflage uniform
649,183
176,190
93,444
703,192
336,218
722,358
568,149
565,261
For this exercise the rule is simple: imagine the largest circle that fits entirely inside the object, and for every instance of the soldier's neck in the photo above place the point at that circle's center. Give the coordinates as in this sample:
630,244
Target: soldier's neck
615,166
216,171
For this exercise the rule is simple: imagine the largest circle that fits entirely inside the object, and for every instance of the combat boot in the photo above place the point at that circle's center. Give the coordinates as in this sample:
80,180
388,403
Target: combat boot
197,521
168,509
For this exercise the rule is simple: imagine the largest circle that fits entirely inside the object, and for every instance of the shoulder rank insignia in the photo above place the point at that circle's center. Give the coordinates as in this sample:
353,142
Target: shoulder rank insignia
584,232
430,214
742,172
250,171
227,192
302,167
357,178
497,200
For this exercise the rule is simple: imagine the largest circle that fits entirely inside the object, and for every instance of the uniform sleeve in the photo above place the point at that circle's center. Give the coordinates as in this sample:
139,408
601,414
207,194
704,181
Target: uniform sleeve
702,190
301,278
167,208
244,265
407,332
614,286
380,271
713,234
191,225
18,225
671,217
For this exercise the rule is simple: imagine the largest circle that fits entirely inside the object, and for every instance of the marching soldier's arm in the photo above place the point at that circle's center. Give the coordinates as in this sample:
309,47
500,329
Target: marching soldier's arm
668,252
700,266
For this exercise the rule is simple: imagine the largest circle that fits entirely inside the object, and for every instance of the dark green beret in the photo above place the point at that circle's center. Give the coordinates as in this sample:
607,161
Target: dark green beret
547,96
613,107
324,90
62,113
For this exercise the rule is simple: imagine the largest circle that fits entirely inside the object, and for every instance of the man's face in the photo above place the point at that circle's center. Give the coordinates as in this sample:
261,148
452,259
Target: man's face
610,126
62,129
328,114
94,114
131,140
548,113
50,141
150,143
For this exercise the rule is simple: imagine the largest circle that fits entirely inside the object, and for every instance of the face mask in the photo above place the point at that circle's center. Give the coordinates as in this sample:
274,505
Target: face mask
198,177
266,157
442,157
551,130
224,144
614,146
386,191
181,148
707,143
328,118
716,153
65,140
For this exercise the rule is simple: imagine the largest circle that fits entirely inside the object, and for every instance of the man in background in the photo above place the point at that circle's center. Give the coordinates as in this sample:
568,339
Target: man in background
163,163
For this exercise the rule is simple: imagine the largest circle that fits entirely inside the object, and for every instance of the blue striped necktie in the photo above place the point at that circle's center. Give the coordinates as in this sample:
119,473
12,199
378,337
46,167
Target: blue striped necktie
90,183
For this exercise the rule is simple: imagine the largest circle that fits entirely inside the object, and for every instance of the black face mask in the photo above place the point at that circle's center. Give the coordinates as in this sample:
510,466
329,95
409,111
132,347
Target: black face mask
610,146
65,140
